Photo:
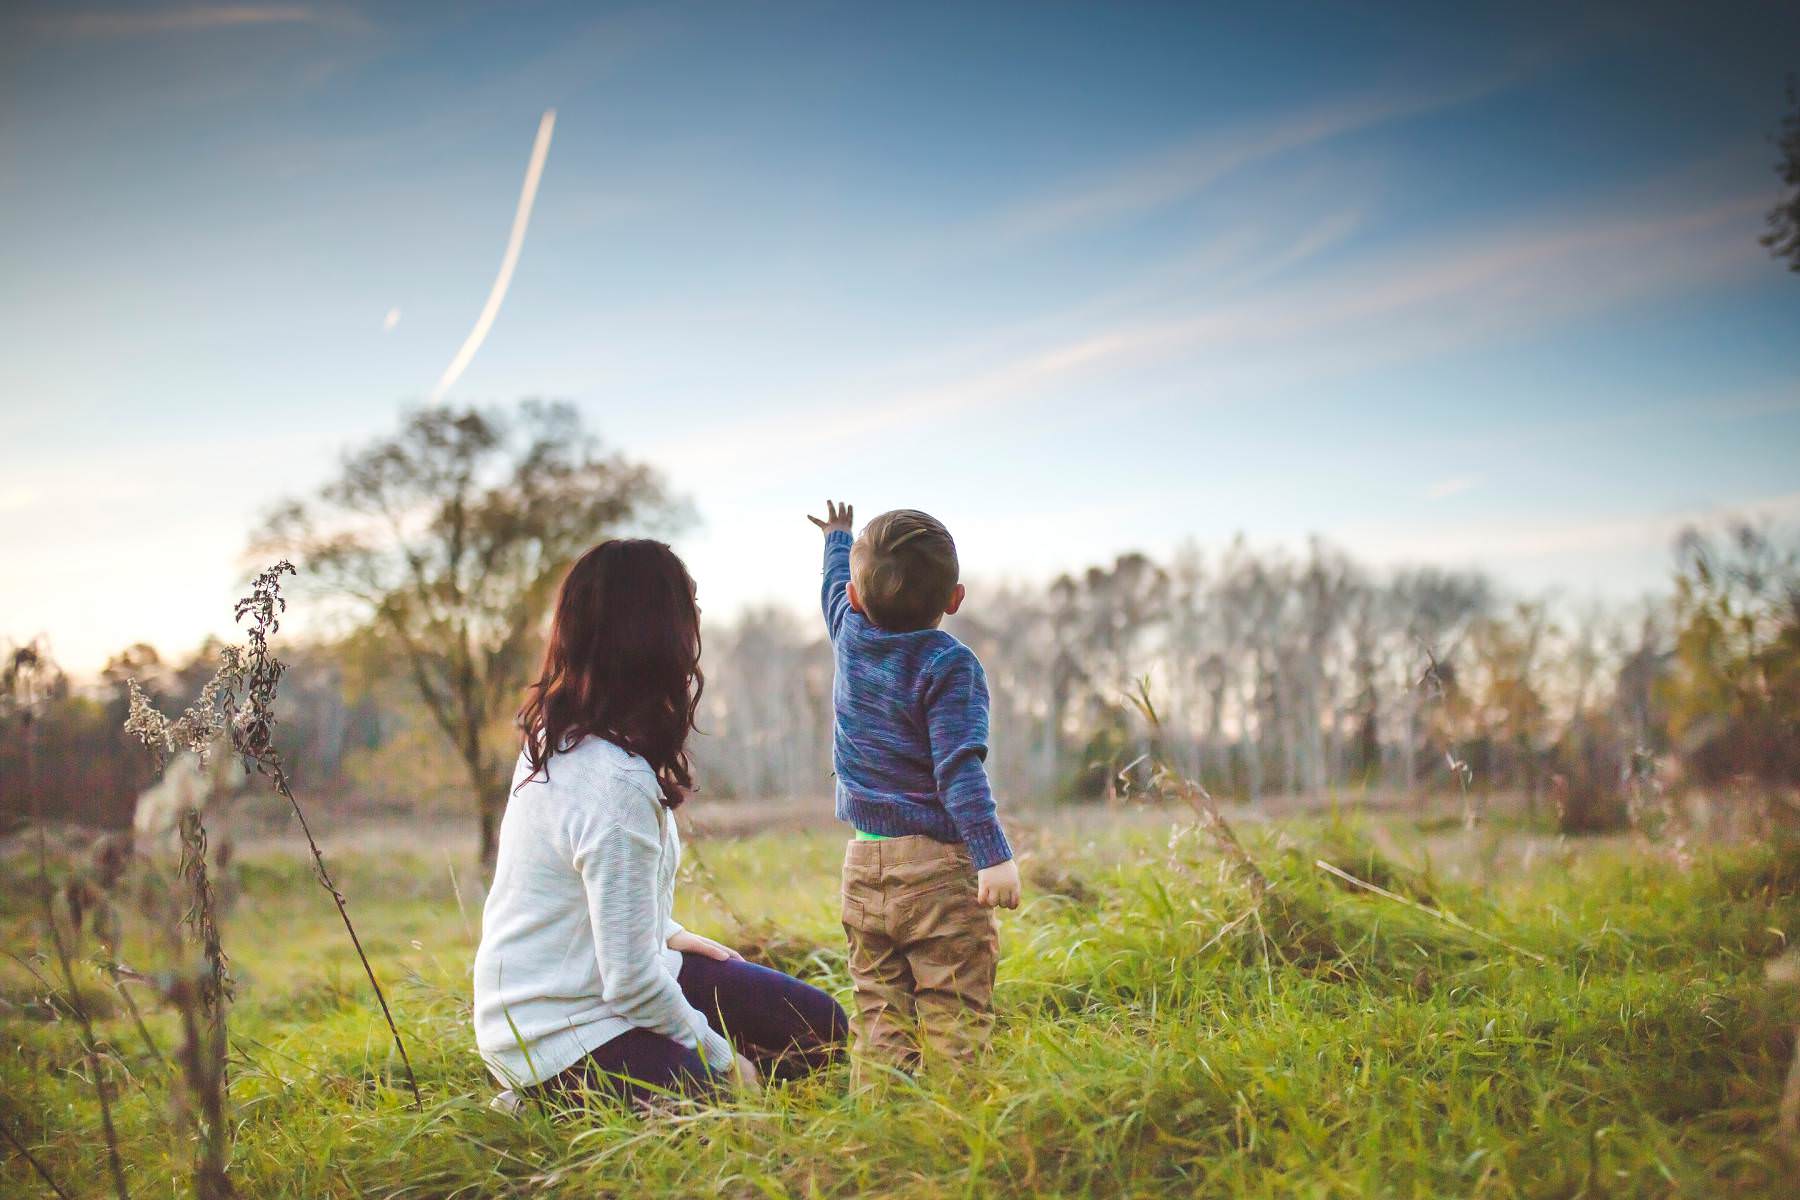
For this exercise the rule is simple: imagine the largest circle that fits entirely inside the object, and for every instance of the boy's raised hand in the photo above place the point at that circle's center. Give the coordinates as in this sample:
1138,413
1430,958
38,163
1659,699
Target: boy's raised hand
837,516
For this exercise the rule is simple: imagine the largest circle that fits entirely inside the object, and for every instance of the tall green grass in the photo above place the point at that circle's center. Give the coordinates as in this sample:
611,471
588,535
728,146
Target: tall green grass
1335,1043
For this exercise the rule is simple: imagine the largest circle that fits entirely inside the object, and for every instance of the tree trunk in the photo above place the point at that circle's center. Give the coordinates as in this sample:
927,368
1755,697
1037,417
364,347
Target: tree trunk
490,803
490,836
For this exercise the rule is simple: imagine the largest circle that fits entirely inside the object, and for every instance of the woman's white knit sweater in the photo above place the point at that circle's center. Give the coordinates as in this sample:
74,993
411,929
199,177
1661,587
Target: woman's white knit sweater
574,936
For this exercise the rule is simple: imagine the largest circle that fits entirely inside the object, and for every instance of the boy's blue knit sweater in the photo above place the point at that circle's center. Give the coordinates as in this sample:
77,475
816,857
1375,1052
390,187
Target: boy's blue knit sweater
912,727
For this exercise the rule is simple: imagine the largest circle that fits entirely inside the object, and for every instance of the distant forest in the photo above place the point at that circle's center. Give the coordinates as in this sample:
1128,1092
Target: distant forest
1273,674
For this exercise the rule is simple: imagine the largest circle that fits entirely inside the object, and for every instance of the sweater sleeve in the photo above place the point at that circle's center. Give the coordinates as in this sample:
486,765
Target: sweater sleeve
618,866
956,717
834,597
671,926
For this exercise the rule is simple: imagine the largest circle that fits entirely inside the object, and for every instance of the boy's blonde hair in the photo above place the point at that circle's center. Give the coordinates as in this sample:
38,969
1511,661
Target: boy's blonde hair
905,569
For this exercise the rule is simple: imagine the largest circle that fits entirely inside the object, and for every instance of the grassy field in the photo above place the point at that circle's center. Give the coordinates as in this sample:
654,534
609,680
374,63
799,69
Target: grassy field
1334,1043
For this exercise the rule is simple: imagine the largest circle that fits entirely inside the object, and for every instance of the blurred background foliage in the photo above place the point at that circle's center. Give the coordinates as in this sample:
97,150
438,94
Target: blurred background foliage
1282,677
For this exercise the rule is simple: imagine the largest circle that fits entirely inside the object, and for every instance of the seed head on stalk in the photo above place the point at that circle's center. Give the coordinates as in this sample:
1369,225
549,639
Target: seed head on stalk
239,703
1432,682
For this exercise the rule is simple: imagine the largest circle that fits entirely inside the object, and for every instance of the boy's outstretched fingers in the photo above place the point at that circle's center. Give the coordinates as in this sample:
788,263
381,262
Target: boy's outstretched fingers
837,516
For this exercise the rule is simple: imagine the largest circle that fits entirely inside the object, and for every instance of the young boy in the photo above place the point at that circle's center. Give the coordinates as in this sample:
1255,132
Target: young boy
928,861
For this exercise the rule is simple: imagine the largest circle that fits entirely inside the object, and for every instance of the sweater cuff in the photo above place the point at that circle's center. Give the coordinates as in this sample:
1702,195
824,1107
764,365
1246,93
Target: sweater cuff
987,844
840,537
716,1049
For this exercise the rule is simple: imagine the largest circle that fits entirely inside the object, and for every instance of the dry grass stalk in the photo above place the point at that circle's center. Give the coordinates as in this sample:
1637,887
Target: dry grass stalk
239,703
1649,811
703,877
90,899
1439,914
120,975
192,988
1789,1121
1213,823
1436,689
90,1042
202,1097
201,997
202,915
252,731
23,691
1169,784
1785,972
25,1152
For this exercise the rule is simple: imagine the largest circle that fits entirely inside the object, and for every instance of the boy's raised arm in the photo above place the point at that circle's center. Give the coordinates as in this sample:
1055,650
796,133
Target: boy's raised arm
834,598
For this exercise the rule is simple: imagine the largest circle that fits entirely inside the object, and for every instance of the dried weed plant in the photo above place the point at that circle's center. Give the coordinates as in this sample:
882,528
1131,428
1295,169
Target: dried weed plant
24,688
1168,784
236,707
1649,809
1437,690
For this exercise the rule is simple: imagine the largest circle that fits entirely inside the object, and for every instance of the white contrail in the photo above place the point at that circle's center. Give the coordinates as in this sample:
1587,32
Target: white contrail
540,150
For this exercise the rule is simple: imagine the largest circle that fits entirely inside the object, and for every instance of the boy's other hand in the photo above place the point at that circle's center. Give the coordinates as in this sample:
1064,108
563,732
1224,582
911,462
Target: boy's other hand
998,886
837,516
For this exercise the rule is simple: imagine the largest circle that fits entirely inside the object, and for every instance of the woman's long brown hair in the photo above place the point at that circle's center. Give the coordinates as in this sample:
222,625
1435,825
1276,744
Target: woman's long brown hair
623,663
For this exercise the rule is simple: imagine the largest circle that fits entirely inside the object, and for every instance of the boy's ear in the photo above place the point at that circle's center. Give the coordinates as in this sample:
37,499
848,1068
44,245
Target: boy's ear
855,600
956,599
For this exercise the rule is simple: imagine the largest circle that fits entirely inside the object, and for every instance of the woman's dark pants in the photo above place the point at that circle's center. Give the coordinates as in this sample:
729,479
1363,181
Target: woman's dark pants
786,1027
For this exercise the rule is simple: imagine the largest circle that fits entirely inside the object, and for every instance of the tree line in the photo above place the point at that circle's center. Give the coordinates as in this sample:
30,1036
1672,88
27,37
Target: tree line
1311,675
1275,673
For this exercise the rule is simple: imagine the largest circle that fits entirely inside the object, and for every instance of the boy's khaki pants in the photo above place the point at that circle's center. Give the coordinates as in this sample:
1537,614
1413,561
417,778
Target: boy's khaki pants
922,951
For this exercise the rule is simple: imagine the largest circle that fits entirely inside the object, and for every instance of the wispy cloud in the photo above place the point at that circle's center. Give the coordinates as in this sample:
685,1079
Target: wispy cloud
1228,263
1184,171
1768,400
118,22
759,441
1263,324
1443,489
1504,543
1365,314
1446,296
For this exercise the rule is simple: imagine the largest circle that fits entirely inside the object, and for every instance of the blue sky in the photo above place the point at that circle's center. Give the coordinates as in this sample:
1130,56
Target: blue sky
1479,287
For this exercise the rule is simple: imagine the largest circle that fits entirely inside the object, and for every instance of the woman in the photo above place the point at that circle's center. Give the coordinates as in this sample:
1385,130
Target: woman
583,979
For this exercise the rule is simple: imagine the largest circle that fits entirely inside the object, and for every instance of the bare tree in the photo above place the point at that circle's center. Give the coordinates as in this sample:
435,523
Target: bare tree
765,717
1324,589
1195,686
1435,609
447,540
1783,238
1009,628
1285,675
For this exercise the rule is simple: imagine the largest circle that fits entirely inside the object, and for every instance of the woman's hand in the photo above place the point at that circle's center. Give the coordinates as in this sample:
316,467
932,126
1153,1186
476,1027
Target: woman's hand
693,943
744,1074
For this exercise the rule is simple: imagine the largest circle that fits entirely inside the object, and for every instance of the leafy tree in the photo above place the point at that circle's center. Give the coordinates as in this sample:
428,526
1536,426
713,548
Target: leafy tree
447,541
1733,693
1783,238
